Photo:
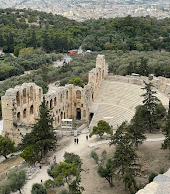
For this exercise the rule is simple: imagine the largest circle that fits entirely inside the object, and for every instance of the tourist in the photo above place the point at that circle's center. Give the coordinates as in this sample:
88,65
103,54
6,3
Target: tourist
86,137
41,181
77,140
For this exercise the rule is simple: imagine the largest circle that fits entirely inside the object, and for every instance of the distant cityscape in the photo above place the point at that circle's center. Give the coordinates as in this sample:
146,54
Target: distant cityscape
87,9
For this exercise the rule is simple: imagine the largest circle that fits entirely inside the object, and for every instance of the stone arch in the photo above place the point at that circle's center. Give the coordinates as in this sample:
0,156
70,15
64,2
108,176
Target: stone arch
18,116
67,95
58,119
24,96
18,98
39,95
64,115
31,109
78,114
61,115
31,93
51,103
92,96
55,101
61,98
97,77
78,94
25,113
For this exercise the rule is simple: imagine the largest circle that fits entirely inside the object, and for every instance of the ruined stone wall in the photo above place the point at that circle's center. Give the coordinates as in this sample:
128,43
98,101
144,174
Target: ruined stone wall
20,108
20,105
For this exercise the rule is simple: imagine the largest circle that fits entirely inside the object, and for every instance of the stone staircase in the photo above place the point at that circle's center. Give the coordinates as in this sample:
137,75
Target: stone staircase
115,102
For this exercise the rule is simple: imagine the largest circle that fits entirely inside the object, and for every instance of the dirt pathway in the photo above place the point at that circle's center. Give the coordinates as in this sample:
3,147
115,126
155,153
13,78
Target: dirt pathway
77,149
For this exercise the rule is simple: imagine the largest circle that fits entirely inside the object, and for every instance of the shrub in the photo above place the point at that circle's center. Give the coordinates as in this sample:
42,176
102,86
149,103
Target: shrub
152,176
94,156
161,171
64,191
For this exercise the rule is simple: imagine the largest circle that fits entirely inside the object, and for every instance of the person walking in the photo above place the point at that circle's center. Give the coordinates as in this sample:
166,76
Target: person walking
77,140
41,181
86,137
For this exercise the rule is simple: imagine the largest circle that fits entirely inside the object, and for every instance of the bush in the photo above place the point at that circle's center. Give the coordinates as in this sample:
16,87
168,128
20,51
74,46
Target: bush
161,171
152,176
94,156
64,191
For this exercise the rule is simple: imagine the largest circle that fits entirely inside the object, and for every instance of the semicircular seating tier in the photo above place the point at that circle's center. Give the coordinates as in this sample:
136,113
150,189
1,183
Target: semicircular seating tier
115,102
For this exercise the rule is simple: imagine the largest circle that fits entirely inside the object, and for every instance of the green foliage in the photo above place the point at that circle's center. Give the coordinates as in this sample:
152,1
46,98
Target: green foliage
166,132
38,189
49,184
104,155
62,172
151,177
76,81
95,156
6,146
161,171
64,191
102,127
72,158
5,187
28,153
130,183
107,172
17,179
49,170
42,138
152,112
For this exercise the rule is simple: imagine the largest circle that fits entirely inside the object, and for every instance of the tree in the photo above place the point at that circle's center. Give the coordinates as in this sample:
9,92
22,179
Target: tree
102,127
149,104
38,189
63,171
166,132
74,186
125,157
107,172
76,81
6,146
42,137
5,187
28,153
17,179
137,130
71,157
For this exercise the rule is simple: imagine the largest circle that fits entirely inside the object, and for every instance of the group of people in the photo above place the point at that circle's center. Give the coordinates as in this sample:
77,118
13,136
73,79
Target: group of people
76,140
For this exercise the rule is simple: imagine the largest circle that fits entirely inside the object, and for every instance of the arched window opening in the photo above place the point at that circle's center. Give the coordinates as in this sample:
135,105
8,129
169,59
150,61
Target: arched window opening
39,94
55,101
31,109
97,77
18,116
24,113
24,96
31,93
51,103
103,74
67,95
78,113
55,121
18,98
61,98
92,96
78,94
61,115
58,119
64,115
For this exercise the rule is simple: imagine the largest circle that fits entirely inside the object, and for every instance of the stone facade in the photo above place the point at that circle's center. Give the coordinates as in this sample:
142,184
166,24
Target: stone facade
20,106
